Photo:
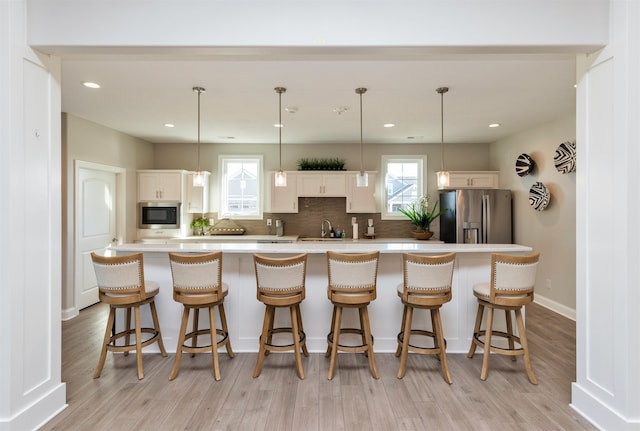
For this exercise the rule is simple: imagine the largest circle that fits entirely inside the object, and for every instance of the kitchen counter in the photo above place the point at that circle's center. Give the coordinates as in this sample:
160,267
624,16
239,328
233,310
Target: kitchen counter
244,312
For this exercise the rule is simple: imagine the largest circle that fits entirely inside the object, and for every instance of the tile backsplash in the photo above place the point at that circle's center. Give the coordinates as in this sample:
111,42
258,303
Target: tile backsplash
312,211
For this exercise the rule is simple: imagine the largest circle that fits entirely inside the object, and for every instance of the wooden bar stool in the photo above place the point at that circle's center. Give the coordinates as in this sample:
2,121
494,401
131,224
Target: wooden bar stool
511,287
121,284
281,283
426,285
197,283
352,284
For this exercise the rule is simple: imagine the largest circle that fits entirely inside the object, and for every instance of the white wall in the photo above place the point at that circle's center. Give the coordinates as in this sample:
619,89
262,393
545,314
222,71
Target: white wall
552,231
90,142
31,390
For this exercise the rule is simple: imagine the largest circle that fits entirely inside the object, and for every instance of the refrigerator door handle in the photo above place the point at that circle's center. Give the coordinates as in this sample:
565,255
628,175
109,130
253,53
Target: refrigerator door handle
486,218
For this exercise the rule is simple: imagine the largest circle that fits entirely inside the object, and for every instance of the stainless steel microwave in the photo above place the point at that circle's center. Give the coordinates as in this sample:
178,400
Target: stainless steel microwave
159,215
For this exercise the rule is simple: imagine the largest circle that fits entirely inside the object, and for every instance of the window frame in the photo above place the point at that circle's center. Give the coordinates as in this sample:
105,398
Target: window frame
421,181
223,207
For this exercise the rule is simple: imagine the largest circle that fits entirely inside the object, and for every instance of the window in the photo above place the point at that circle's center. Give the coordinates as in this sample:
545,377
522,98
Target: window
241,187
403,183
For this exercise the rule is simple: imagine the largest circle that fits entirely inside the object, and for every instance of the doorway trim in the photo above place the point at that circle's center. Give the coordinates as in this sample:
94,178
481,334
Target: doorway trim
121,227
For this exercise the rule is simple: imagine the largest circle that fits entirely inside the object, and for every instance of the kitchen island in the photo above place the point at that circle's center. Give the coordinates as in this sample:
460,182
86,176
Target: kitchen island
245,313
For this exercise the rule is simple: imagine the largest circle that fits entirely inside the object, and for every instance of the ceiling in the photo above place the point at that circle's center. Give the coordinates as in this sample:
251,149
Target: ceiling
140,93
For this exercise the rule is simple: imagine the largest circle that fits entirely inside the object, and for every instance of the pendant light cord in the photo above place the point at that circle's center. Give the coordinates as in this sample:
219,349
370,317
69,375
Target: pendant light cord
280,90
199,90
361,91
442,90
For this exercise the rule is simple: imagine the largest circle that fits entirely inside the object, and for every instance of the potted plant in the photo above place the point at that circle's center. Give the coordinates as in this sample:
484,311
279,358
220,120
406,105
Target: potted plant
199,225
321,164
421,216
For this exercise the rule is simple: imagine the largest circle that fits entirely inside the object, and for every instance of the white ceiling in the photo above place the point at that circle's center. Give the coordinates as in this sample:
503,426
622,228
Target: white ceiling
140,93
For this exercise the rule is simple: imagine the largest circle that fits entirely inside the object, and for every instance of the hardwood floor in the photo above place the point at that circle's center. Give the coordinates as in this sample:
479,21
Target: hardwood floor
353,400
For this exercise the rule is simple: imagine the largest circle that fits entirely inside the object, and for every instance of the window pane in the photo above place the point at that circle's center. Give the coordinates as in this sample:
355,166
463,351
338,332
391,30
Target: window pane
240,194
403,183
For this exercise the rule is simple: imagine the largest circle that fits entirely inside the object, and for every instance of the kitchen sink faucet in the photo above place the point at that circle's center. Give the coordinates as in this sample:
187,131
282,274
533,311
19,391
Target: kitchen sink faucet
323,233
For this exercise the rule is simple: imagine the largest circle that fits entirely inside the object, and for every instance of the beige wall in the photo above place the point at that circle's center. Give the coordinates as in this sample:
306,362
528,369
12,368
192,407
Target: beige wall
552,231
90,142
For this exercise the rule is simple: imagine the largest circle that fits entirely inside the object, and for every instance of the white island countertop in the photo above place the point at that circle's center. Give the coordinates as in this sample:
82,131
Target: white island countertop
311,247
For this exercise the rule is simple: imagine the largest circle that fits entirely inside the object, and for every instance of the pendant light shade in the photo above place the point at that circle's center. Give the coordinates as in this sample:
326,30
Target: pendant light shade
442,175
362,178
281,176
198,176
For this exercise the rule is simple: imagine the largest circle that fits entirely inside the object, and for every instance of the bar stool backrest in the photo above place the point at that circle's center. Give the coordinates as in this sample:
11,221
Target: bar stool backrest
197,275
427,275
280,276
353,273
513,278
120,279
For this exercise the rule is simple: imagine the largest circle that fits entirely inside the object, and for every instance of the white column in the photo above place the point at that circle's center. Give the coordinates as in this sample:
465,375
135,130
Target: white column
607,387
31,390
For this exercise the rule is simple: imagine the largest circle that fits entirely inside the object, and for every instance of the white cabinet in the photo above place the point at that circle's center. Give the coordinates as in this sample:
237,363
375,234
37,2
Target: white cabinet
361,199
196,198
473,179
284,199
322,185
160,186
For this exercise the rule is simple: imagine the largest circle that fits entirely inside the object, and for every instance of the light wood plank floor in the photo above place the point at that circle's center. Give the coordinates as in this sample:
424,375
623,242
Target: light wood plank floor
353,400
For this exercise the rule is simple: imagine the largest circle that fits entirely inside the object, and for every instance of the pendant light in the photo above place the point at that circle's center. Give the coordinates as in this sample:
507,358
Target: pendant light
198,176
362,178
442,175
281,176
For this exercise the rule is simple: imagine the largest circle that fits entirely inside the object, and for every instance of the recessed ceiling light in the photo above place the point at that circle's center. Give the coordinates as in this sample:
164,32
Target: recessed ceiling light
291,109
389,125
494,125
169,125
91,84
278,125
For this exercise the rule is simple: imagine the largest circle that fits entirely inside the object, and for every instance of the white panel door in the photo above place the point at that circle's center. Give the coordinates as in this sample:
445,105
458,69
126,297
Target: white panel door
95,228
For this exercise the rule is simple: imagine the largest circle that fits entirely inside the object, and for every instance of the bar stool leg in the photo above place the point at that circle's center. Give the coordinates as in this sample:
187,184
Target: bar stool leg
107,339
194,329
156,324
296,340
181,338
511,336
301,329
334,344
406,335
225,329
487,345
525,347
333,323
214,342
439,336
369,340
139,343
402,325
476,329
127,328
263,339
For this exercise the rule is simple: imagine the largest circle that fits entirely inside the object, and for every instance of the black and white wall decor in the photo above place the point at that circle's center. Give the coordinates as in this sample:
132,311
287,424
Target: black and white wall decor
524,165
539,196
565,157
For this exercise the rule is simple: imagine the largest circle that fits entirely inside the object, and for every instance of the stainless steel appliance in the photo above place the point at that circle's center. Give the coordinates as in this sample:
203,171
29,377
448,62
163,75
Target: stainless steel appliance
159,215
476,216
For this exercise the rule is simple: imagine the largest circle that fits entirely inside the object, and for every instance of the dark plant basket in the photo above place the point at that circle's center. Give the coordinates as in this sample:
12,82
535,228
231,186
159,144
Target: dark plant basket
321,164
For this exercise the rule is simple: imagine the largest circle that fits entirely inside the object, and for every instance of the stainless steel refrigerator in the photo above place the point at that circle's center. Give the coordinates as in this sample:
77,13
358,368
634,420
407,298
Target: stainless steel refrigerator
476,216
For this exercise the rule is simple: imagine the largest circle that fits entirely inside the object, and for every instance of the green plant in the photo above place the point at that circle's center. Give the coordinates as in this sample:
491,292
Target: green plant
319,164
420,214
200,222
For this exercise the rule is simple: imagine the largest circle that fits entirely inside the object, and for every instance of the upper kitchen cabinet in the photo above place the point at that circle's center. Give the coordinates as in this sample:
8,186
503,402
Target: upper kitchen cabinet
322,184
284,199
361,199
197,198
160,185
473,180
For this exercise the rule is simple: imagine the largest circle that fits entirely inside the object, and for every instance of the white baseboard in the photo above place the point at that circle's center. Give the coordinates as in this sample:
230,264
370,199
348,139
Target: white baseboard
39,412
69,313
563,310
